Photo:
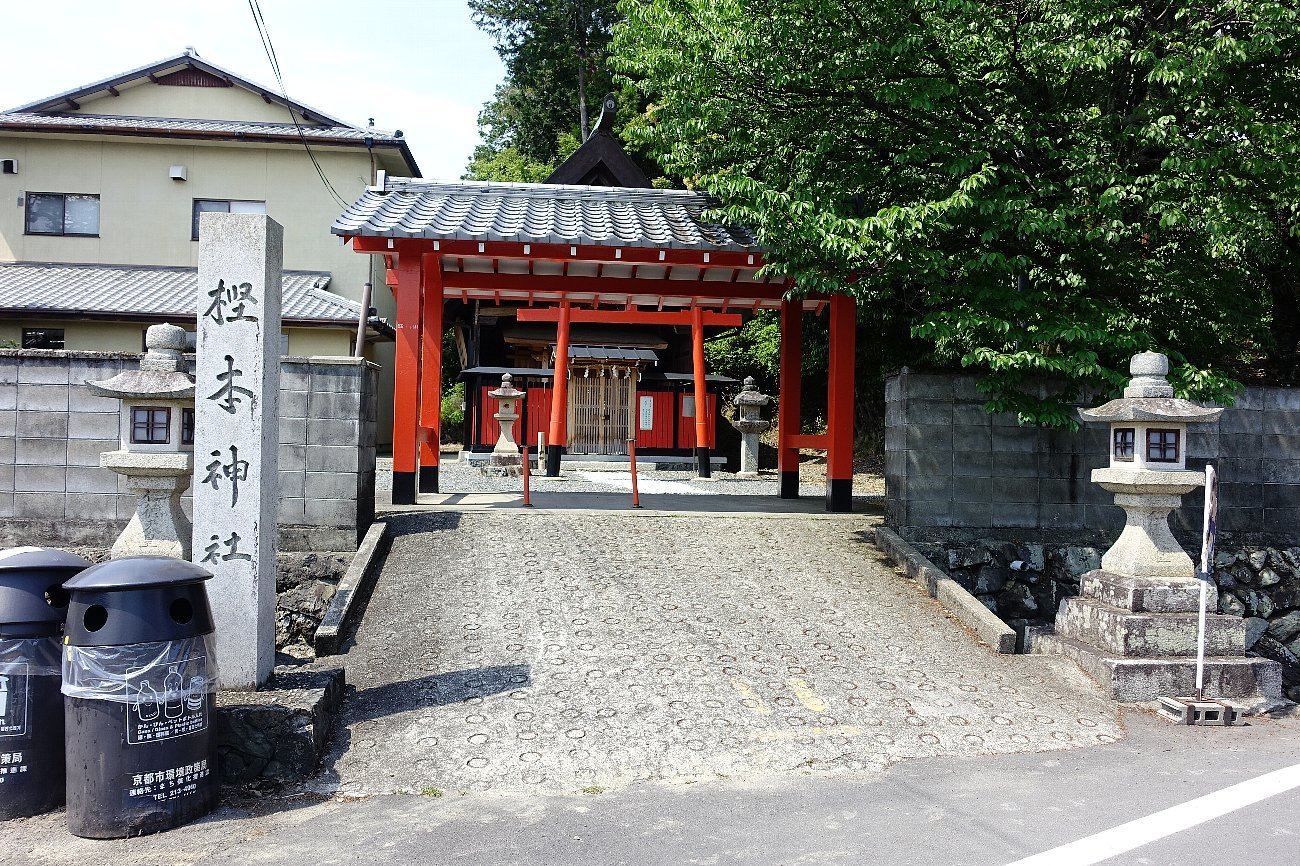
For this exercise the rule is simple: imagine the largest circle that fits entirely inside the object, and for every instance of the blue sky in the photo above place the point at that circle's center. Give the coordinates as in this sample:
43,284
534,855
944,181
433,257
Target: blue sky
422,67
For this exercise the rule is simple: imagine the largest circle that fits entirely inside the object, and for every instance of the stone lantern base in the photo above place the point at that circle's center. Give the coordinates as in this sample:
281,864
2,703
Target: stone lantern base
503,466
1137,637
159,526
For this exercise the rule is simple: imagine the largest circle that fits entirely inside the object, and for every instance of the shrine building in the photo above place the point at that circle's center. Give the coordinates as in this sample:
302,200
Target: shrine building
595,292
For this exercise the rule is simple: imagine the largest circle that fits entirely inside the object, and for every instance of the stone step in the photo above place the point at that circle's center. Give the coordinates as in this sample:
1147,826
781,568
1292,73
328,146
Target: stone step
1146,635
1147,594
1127,679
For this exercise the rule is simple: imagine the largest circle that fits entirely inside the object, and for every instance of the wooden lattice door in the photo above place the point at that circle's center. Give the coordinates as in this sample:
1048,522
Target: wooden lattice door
600,410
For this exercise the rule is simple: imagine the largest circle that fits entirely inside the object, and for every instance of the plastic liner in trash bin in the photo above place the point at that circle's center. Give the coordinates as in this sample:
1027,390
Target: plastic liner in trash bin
32,608
139,683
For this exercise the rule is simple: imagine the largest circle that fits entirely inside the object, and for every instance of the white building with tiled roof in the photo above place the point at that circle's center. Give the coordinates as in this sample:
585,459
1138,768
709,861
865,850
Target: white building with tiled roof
101,187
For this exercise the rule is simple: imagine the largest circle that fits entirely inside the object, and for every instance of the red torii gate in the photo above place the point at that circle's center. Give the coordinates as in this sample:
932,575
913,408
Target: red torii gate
583,255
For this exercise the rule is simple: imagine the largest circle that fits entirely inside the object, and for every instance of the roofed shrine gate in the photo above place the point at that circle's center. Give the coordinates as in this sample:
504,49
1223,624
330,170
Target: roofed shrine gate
582,255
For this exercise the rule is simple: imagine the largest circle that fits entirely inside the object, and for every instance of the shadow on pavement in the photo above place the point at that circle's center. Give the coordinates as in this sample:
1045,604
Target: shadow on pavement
437,690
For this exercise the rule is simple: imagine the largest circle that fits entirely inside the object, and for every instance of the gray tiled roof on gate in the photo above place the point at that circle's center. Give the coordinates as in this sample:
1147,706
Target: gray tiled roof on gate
150,292
541,213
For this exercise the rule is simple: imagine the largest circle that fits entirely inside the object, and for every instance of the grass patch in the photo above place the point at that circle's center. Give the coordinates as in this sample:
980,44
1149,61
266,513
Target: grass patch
431,792
593,789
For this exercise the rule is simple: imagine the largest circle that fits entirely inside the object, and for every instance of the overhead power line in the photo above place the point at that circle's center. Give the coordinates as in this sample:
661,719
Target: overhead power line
269,47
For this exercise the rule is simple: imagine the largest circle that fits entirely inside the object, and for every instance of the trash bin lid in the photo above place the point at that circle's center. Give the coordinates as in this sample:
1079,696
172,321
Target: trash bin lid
32,600
139,599
135,573
40,558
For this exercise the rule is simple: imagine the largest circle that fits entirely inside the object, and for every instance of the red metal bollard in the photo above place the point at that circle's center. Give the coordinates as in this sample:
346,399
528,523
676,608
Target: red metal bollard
631,456
527,501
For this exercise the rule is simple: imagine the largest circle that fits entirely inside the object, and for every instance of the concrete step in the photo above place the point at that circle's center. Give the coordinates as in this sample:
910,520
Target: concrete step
1147,594
1148,635
1127,679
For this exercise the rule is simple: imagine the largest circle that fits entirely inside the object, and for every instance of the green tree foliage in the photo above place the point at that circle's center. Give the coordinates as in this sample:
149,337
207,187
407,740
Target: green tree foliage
555,54
1034,189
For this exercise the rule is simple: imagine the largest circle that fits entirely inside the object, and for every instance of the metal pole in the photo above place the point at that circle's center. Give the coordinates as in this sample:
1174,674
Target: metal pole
364,321
528,503
631,456
1209,531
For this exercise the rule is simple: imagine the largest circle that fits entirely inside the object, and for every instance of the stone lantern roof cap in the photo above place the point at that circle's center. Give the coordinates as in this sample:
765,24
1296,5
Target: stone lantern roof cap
507,391
160,376
1169,409
146,385
1150,397
750,395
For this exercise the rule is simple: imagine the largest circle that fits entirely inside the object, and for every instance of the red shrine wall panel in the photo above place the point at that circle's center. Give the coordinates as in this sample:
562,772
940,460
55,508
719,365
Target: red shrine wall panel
657,407
537,414
686,422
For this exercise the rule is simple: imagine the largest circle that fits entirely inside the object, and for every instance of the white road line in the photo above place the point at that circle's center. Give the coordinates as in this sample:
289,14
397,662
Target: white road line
1134,834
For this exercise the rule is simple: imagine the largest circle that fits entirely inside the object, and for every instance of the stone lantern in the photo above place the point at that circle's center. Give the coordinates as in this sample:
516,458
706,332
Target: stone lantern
1148,469
749,421
157,445
1134,625
505,458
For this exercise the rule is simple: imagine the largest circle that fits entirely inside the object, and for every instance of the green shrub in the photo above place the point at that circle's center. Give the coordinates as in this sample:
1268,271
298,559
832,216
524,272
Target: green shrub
453,413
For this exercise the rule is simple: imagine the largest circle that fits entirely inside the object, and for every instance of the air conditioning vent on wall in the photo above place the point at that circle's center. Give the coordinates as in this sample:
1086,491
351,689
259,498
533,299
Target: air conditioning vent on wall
8,166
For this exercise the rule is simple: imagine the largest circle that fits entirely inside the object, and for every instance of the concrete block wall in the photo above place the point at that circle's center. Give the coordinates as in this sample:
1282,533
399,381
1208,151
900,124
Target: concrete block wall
953,470
53,430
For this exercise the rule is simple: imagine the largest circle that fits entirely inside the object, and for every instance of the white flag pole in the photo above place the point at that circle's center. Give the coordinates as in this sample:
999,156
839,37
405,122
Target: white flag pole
1209,532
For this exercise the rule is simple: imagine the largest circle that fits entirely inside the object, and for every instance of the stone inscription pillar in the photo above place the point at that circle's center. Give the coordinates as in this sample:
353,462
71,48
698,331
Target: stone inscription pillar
236,442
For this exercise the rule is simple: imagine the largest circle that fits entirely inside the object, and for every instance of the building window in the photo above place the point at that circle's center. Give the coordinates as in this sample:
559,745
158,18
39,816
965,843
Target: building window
1162,446
43,338
151,425
60,214
1125,438
221,205
187,426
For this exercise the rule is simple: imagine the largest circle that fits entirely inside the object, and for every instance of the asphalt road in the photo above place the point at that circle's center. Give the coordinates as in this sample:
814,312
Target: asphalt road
986,811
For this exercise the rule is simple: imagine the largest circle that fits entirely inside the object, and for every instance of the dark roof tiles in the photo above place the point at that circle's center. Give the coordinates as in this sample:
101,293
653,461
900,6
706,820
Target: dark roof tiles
540,213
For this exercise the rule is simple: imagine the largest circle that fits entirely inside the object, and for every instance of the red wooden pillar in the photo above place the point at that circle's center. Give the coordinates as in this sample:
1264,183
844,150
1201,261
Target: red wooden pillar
787,414
839,404
558,436
431,374
406,380
703,463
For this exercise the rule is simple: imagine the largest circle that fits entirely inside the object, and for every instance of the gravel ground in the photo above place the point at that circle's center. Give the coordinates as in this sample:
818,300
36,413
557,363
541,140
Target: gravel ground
457,476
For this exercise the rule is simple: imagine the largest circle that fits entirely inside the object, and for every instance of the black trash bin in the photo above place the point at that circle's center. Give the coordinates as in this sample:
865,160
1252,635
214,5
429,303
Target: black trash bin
139,677
32,606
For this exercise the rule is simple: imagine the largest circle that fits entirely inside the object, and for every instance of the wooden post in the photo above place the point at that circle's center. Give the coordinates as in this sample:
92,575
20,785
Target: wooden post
787,415
704,465
431,374
558,436
406,380
839,404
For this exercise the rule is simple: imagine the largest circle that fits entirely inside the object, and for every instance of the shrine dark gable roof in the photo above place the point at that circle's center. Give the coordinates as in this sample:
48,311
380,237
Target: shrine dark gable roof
601,160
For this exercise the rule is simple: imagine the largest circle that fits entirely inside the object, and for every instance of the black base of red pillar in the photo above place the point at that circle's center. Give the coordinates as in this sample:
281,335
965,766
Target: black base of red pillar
703,462
839,494
789,485
403,488
428,479
553,455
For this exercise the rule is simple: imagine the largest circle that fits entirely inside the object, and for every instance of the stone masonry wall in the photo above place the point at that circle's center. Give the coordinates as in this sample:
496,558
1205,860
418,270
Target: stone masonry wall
954,472
1024,583
52,431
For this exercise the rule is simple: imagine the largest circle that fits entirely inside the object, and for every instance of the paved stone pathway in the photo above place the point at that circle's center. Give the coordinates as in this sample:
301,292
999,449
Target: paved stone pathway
562,651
